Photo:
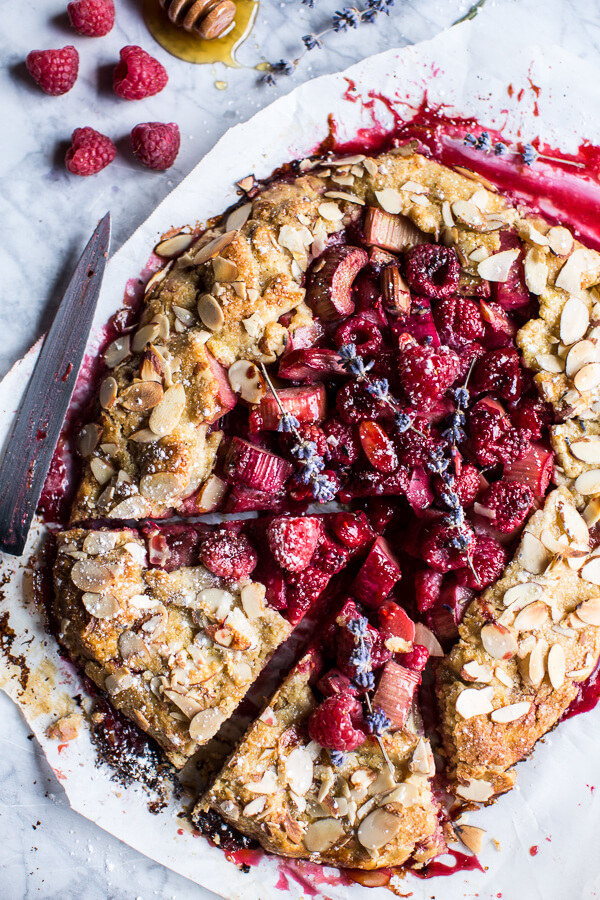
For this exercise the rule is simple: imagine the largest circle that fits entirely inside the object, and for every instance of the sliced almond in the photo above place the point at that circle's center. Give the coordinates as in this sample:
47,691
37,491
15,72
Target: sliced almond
97,542
144,336
255,807
390,200
212,248
533,556
498,641
588,377
205,724
94,575
378,829
143,436
570,277
131,644
591,513
548,362
238,217
556,666
142,396
478,790
210,494
135,507
587,450
474,702
246,380
118,681
521,594
536,664
580,354
117,351
322,834
108,392
299,771
467,213
497,266
100,606
535,268
165,416
88,439
531,617
426,637
185,316
511,712
224,269
160,487
101,470
210,312
175,245
574,321
471,836
330,211
573,523
589,610
474,671
253,599
560,240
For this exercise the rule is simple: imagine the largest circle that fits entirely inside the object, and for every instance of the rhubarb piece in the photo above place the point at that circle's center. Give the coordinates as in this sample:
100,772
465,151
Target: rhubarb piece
396,293
256,468
378,574
497,318
512,293
377,447
535,469
352,529
245,499
419,493
314,364
330,280
391,232
225,395
394,623
379,258
307,404
395,693
293,540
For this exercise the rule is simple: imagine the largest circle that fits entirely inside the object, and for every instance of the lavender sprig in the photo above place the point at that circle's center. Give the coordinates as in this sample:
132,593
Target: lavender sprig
377,722
527,153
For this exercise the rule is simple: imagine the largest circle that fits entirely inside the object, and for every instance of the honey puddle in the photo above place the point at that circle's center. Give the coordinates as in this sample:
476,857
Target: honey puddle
192,48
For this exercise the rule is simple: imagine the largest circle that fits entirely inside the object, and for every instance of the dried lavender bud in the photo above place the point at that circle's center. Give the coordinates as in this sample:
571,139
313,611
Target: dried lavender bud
283,67
348,17
309,3
323,488
377,722
500,148
288,422
311,41
380,388
358,627
470,140
529,154
268,78
336,756
484,142
365,680
461,395
402,422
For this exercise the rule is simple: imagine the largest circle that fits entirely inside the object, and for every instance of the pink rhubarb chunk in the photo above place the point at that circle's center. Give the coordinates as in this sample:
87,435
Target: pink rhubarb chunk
395,692
378,574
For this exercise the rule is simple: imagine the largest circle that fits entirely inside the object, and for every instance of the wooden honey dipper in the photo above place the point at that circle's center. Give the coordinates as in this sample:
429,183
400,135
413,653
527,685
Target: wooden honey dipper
209,19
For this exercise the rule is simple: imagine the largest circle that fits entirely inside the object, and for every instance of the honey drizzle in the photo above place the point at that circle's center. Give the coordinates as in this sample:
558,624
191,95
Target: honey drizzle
191,47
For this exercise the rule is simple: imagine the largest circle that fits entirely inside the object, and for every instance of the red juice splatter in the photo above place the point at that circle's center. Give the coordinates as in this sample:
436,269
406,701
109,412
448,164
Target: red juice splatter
533,851
462,863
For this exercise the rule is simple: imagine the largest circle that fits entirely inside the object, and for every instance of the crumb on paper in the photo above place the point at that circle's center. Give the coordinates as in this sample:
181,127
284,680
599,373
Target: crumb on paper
66,728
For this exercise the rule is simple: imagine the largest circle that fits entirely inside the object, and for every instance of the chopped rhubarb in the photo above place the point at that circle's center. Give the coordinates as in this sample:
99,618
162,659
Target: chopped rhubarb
497,318
330,280
428,584
379,257
378,574
395,692
246,499
391,232
535,469
395,623
255,467
377,446
513,292
419,493
225,395
396,293
310,365
307,404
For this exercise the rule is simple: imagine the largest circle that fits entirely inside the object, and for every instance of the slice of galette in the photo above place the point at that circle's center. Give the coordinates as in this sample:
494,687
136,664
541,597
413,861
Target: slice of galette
526,644
176,623
336,768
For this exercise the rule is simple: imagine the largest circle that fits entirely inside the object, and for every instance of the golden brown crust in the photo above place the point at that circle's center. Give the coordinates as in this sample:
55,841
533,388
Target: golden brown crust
151,639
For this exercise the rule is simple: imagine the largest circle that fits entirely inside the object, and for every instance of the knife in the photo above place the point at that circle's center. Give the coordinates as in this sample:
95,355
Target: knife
39,420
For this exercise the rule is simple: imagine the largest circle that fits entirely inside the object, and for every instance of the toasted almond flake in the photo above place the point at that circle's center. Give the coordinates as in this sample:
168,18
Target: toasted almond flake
94,575
238,218
580,354
591,513
175,245
101,470
553,544
224,270
536,664
474,702
589,610
144,336
322,834
471,836
97,542
588,377
579,263
556,666
160,487
204,724
299,771
447,217
532,555
131,508
185,316
253,599
422,761
88,439
378,829
587,450
131,644
479,254
511,712
342,195
119,681
478,790
573,523
157,278
213,247
548,362
143,436
142,396
246,380
390,200
255,806
502,676
498,641
497,266
467,213
100,606
166,415
560,240
117,351
532,616
574,321
210,312
474,671
535,268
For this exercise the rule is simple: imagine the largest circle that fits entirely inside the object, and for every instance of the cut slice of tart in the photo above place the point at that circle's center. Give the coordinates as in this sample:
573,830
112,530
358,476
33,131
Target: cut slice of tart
526,644
368,806
176,623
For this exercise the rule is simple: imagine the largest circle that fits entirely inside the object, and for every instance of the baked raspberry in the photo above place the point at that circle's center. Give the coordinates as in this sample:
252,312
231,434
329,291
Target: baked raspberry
415,445
416,659
329,557
376,484
532,416
458,320
488,558
426,373
94,18
312,433
428,584
335,682
432,270
355,403
138,75
303,588
228,554
155,144
511,501
292,540
492,439
381,512
90,152
377,447
499,373
352,529
361,332
337,723
445,548
467,485
54,70
342,446
468,354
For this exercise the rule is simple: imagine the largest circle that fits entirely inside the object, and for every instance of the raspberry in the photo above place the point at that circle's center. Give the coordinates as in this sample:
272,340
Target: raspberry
342,446
228,554
337,723
428,584
293,540
488,559
499,373
156,145
94,18
330,557
90,152
468,353
531,416
426,373
352,529
511,501
467,485
381,512
415,447
376,484
432,270
458,320
416,659
355,403
313,433
492,438
304,588
441,547
54,70
138,75
365,335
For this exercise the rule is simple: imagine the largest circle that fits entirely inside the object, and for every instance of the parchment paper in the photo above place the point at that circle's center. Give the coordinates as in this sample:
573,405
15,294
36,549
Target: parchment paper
555,807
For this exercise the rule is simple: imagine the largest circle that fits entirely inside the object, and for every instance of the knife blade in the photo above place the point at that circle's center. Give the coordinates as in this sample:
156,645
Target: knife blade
39,420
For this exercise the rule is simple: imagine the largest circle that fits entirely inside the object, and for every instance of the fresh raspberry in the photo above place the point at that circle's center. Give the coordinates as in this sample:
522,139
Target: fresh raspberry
342,446
458,320
94,18
442,549
511,501
90,152
355,403
155,144
467,485
361,332
532,416
416,659
313,433
428,584
228,554
492,438
337,723
499,373
352,529
426,373
54,70
293,540
488,558
329,557
303,589
432,270
138,75
335,682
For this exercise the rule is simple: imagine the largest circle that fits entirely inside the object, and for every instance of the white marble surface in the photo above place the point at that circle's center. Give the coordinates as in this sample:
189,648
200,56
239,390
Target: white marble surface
46,850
